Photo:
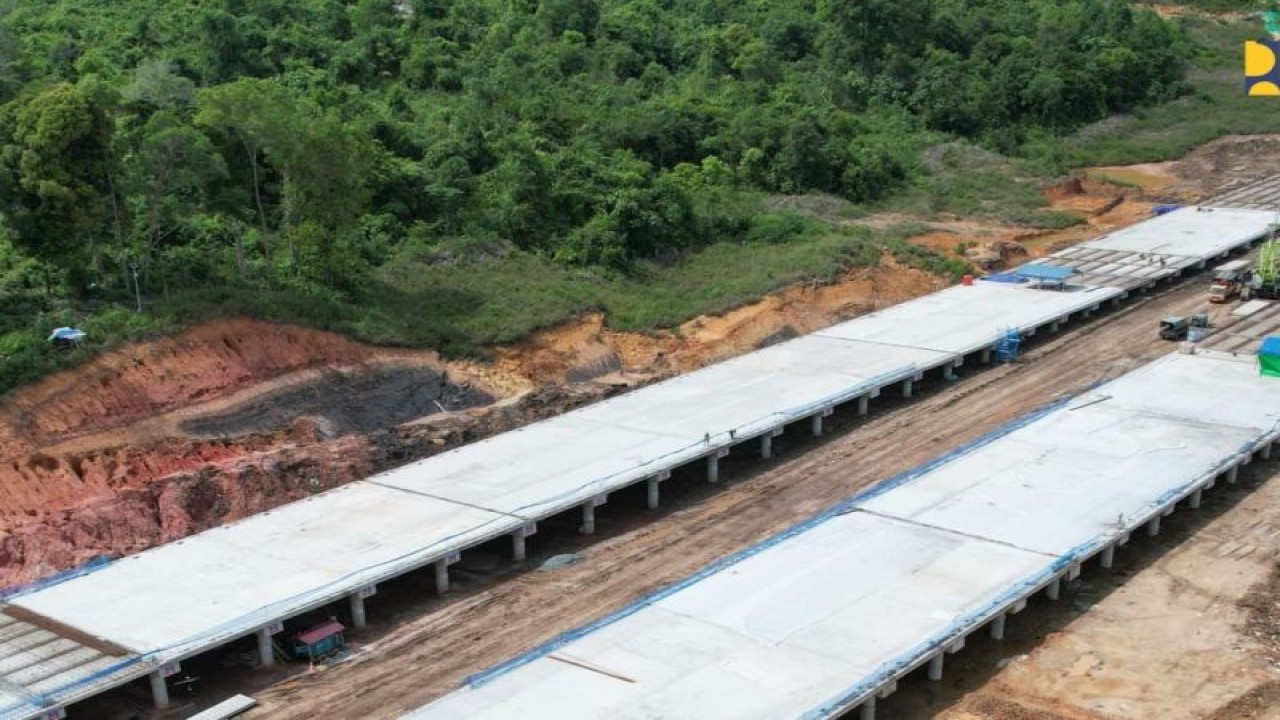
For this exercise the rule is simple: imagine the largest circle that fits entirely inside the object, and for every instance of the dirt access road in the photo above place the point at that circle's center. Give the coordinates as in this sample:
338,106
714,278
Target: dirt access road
417,649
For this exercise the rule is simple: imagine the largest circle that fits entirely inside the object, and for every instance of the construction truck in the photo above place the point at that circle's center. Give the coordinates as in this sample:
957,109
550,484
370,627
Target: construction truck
1174,327
1230,281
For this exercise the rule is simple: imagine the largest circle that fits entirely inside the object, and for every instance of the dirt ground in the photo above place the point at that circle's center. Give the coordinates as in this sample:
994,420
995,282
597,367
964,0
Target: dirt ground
417,649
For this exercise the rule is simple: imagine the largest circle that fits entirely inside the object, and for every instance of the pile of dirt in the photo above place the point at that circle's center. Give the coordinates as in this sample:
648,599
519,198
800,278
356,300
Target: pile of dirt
986,706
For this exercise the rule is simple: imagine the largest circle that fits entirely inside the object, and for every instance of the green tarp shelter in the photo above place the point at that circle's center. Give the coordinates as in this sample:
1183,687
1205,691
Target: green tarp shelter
1269,357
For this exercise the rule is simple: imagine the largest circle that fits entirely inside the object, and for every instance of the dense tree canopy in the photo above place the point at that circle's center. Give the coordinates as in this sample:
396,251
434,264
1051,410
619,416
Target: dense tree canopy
269,141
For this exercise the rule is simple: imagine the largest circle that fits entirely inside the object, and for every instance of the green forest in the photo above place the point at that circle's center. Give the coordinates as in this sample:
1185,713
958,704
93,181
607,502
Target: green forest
380,166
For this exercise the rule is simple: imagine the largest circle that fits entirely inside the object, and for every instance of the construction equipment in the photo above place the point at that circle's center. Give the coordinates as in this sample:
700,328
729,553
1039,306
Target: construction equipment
1266,276
1230,281
1174,327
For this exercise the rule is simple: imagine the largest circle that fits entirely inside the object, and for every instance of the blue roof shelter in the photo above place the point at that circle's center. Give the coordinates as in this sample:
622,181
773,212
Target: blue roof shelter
1053,275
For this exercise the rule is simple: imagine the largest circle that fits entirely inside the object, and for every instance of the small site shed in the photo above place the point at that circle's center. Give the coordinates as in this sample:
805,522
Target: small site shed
1269,357
319,641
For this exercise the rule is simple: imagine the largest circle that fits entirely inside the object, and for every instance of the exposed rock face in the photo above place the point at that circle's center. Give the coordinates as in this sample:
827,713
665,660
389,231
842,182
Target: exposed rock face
215,482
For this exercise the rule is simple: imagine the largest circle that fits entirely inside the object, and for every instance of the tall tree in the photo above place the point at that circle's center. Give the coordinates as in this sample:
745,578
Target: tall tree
55,191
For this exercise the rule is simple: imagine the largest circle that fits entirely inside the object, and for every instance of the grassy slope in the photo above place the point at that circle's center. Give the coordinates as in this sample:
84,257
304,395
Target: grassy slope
1218,107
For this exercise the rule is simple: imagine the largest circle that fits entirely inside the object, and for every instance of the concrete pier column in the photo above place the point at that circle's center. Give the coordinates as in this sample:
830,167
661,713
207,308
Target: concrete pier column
907,386
815,423
1232,475
1193,500
266,651
997,627
935,666
519,551
766,446
357,610
442,576
1053,326
1054,589
949,370
588,518
1265,452
517,546
1108,556
868,711
652,493
713,465
1153,527
986,356
864,404
159,690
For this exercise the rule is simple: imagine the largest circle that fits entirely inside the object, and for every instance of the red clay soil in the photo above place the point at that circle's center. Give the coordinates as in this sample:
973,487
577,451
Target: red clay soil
150,377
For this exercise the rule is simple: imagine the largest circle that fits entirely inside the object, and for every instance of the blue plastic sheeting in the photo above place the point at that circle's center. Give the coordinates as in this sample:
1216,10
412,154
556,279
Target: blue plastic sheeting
1045,272
99,562
1162,209
1270,346
1004,278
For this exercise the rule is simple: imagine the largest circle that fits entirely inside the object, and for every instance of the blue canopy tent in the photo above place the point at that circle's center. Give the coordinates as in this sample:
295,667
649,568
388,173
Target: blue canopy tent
1269,357
65,338
1051,275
